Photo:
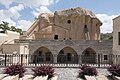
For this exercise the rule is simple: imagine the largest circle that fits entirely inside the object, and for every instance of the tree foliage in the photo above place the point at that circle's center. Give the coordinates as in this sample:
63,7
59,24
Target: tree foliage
4,26
106,36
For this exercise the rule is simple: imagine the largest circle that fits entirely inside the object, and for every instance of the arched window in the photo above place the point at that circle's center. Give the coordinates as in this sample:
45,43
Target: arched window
40,53
85,29
69,21
61,52
87,53
118,38
48,56
69,57
89,56
85,26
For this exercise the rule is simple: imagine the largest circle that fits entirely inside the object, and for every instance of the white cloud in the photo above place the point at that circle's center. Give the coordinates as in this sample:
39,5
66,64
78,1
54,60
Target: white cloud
37,3
42,9
11,22
29,3
107,22
11,13
24,24
6,3
39,6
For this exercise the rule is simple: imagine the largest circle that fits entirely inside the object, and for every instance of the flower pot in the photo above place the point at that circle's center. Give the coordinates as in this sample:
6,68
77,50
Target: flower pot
11,78
90,77
116,78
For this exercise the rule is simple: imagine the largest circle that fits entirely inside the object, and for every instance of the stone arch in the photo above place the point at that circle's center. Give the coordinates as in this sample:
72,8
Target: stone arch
42,55
67,55
74,47
89,56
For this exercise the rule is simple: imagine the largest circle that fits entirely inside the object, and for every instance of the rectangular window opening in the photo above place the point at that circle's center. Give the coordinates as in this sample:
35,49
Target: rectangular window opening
118,38
105,57
56,37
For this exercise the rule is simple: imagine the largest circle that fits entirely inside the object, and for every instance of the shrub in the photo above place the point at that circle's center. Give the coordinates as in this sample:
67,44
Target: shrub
87,70
43,71
15,69
81,74
114,70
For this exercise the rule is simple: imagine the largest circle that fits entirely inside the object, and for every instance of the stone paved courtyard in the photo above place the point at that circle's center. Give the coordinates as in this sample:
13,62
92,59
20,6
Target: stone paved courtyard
67,73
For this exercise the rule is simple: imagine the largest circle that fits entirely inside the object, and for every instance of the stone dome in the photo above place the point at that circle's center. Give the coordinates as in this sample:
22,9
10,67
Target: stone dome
46,15
76,11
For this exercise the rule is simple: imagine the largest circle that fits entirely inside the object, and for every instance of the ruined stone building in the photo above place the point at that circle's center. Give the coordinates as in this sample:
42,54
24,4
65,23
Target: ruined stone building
65,36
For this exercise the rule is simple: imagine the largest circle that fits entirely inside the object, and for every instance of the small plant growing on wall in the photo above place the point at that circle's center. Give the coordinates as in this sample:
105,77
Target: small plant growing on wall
15,69
44,71
114,70
87,70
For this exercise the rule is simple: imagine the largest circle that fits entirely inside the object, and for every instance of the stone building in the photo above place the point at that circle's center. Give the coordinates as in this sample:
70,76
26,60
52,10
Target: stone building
8,38
65,36
116,37
74,23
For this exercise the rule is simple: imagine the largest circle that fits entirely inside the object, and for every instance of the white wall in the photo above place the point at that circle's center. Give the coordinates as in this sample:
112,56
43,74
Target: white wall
3,38
24,49
7,42
9,37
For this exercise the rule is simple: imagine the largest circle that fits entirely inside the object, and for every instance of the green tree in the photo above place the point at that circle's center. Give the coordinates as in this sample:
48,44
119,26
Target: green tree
4,26
106,36
19,31
13,28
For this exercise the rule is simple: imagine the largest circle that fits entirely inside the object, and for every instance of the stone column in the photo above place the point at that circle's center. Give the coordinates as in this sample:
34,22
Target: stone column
54,58
79,59
96,57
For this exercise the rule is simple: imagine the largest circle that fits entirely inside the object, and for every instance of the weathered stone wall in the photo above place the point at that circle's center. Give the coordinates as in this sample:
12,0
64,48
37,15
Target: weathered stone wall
79,46
67,24
116,30
11,48
116,38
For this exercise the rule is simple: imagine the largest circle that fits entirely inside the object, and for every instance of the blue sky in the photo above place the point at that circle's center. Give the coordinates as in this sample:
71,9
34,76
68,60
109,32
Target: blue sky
21,13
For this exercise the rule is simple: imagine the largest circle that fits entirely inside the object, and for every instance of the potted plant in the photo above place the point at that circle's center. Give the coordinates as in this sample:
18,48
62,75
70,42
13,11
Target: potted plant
14,70
86,71
115,71
44,71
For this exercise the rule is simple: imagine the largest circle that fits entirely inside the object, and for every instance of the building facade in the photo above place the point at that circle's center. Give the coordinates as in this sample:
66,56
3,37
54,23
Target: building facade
66,36
74,23
8,38
116,37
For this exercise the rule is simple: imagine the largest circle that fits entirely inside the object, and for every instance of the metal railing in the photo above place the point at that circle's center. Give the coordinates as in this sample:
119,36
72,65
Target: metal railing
73,61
